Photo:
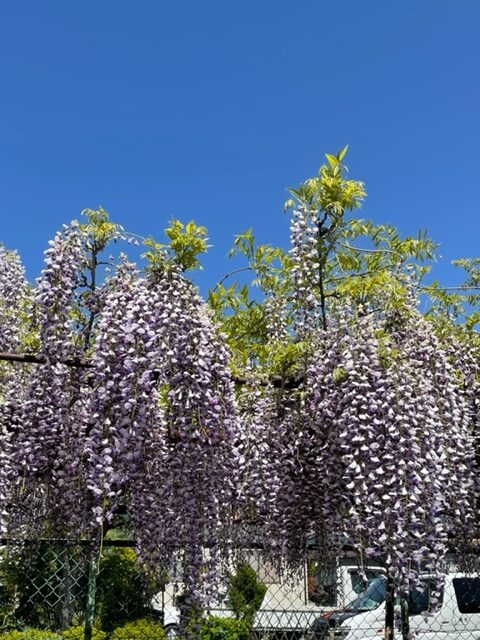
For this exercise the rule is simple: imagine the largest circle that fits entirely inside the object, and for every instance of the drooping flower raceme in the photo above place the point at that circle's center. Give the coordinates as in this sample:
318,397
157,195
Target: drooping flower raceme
163,424
13,295
385,455
13,300
375,447
48,440
304,254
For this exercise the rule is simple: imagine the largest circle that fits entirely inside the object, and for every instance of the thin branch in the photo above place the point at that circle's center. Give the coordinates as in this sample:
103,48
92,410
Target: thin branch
459,288
30,358
362,274
230,274
278,382
381,250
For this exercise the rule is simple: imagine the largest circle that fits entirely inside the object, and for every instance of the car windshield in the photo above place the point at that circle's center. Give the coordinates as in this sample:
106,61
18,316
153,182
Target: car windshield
371,598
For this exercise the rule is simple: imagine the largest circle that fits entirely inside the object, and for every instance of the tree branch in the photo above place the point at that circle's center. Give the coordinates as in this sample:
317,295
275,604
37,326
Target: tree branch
30,358
360,250
230,274
459,288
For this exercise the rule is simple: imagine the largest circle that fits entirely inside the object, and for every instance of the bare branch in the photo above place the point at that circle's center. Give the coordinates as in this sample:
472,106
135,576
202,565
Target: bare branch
458,288
30,358
230,274
381,250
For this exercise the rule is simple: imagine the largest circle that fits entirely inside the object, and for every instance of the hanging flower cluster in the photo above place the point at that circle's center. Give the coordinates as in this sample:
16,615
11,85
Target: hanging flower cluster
304,254
13,294
375,447
148,426
163,423
13,299
191,447
48,437
261,455
380,450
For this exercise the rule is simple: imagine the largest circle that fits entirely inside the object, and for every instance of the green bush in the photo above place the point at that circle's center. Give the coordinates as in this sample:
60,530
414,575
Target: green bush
142,629
44,586
77,633
246,592
121,580
30,634
218,628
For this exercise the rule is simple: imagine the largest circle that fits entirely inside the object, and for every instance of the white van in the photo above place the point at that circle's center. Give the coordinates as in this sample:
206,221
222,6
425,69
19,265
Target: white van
289,606
453,613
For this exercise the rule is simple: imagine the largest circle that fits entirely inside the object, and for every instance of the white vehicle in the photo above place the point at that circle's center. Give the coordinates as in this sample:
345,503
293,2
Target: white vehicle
288,606
445,607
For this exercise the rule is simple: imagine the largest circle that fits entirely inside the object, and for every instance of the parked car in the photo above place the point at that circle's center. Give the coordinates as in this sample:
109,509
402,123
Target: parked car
441,607
288,606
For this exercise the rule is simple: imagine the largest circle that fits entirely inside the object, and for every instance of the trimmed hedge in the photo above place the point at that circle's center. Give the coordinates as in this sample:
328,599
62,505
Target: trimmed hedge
77,633
218,628
142,629
30,634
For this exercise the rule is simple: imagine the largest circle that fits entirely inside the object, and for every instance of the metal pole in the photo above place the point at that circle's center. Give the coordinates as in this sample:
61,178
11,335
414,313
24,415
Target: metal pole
390,608
405,619
91,595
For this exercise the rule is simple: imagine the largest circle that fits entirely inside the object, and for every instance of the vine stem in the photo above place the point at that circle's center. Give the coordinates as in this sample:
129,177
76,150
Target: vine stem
230,274
30,358
360,250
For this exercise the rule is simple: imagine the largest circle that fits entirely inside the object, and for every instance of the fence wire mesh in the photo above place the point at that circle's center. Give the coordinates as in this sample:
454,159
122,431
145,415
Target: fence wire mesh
50,590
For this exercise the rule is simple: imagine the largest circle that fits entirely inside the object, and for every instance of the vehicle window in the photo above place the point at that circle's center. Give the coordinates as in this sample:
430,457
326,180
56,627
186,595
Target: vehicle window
426,596
322,584
467,592
360,581
371,598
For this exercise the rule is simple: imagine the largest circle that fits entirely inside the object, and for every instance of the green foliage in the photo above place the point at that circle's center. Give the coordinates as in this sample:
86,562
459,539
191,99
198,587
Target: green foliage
458,303
121,580
142,629
8,593
45,584
32,634
243,321
219,628
99,229
370,265
330,191
187,242
77,633
242,312
246,592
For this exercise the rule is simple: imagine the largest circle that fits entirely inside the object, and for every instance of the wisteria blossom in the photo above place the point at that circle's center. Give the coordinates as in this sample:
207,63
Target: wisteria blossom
379,452
13,303
304,254
374,446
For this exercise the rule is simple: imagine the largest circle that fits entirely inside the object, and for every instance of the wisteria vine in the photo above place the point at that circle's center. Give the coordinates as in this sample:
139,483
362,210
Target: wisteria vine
374,448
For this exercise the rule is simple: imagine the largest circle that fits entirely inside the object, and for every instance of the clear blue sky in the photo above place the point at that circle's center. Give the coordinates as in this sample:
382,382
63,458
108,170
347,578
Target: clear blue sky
211,109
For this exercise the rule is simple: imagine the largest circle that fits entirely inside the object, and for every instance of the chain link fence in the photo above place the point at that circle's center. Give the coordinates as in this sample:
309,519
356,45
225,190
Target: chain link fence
55,590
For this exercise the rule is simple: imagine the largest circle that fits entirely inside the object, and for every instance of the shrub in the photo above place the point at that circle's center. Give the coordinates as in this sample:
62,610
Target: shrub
142,629
218,628
246,592
121,580
36,578
30,634
77,633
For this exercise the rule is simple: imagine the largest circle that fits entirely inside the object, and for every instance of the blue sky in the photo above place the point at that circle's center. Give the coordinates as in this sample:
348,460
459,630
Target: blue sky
209,110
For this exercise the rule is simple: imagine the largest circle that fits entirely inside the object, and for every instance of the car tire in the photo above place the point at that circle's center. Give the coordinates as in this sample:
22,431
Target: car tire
172,631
